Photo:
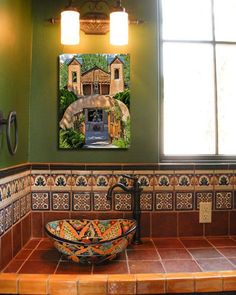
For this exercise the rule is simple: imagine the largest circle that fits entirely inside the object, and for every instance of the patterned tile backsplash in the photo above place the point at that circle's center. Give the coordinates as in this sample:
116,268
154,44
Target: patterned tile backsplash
64,190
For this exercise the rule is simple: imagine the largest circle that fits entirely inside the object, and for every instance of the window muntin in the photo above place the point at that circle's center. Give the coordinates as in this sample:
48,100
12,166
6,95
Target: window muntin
198,71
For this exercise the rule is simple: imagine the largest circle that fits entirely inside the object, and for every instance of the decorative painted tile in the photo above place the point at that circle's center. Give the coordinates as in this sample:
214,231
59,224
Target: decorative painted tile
16,211
40,201
61,201
22,206
81,202
146,202
165,180
8,216
204,180
2,221
40,180
28,203
119,177
223,179
101,202
185,180
122,202
203,197
146,179
81,180
164,201
184,201
61,180
223,200
102,180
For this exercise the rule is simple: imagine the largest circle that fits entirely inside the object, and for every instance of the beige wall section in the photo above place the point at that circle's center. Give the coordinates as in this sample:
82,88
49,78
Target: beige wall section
74,66
117,85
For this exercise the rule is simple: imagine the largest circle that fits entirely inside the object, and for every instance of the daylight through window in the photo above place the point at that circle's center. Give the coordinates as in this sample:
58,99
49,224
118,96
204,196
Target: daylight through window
198,58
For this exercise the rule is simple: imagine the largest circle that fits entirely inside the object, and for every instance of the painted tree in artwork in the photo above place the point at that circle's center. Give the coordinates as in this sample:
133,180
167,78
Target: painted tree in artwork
91,60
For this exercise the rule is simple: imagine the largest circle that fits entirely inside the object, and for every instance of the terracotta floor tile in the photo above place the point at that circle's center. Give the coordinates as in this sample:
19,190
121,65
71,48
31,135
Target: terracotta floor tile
38,267
45,244
183,266
13,266
215,264
23,254
196,243
146,244
32,244
228,251
45,255
204,253
73,268
174,254
150,254
111,267
136,266
222,242
233,260
168,243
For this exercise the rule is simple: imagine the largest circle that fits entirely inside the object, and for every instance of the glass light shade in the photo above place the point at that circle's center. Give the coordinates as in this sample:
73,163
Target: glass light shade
119,24
70,27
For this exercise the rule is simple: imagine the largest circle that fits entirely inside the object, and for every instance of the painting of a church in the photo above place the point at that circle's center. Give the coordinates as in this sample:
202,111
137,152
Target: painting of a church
94,101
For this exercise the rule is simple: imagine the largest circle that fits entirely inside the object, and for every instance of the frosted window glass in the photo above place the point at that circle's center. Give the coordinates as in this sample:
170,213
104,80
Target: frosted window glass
187,19
189,117
226,73
225,20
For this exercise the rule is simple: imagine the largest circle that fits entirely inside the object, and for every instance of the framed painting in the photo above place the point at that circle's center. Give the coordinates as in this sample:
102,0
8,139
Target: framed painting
94,101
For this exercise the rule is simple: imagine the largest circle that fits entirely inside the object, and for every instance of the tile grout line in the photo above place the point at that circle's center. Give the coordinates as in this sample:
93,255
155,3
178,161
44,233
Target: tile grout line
161,260
221,254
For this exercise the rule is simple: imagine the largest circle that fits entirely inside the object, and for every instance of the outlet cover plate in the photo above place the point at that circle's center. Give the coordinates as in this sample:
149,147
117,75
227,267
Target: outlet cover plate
205,212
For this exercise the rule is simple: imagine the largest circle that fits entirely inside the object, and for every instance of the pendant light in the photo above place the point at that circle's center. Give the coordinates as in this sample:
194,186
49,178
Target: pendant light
119,24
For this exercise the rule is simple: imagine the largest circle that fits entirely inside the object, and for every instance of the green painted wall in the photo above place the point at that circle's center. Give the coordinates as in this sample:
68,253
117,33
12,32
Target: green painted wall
43,103
15,73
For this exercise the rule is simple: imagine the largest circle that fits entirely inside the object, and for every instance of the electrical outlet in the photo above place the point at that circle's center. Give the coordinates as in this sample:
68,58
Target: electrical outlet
205,212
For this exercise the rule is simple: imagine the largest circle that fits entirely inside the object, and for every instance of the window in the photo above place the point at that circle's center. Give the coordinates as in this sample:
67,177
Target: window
117,74
74,77
198,67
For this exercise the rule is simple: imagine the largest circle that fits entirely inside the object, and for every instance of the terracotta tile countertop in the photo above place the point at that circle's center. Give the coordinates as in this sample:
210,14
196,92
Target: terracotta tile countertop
158,266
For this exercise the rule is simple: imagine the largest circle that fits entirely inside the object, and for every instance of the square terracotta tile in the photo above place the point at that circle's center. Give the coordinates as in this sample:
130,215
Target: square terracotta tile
174,254
111,267
45,244
150,254
204,253
32,244
168,243
222,242
183,266
189,224
6,248
37,224
219,225
45,255
215,264
164,224
141,266
38,267
150,283
146,244
23,254
67,267
195,243
13,266
228,252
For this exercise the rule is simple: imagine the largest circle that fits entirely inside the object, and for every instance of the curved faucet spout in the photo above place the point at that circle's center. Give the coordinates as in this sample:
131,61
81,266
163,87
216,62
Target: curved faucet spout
120,185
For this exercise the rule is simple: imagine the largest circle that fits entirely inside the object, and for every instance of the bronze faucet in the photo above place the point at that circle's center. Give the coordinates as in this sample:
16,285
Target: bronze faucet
135,192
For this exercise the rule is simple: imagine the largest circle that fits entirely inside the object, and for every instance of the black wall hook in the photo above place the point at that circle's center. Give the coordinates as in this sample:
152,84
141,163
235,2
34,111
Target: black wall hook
11,120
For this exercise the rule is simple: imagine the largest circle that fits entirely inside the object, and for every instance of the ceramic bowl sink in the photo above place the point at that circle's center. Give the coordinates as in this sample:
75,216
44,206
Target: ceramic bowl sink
91,241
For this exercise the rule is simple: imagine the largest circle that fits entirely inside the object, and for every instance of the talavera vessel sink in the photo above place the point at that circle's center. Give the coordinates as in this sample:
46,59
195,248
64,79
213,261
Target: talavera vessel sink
91,241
